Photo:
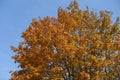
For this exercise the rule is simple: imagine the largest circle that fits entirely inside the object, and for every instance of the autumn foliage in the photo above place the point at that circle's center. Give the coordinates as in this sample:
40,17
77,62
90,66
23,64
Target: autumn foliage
78,45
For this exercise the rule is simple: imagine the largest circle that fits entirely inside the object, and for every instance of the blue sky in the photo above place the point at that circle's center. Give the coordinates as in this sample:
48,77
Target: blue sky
16,15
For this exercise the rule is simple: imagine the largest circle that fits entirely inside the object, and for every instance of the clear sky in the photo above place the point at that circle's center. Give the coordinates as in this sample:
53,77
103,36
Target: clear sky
16,15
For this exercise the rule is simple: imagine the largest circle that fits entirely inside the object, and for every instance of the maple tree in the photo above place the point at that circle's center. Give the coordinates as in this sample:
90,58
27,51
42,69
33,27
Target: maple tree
78,45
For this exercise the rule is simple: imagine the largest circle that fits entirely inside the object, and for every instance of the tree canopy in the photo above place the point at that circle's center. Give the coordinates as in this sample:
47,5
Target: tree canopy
77,45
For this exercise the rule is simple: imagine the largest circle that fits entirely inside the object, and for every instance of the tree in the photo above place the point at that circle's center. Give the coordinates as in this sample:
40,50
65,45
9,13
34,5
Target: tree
78,45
